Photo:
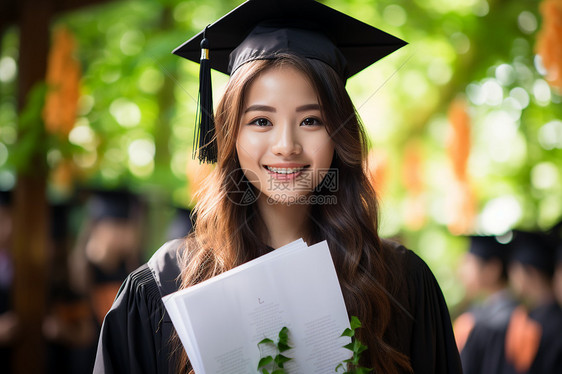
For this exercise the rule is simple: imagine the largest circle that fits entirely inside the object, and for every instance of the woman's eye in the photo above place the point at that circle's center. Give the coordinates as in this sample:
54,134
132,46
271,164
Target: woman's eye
311,122
261,122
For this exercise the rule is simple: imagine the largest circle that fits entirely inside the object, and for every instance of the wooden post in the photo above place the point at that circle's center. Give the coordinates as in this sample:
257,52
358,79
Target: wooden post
30,206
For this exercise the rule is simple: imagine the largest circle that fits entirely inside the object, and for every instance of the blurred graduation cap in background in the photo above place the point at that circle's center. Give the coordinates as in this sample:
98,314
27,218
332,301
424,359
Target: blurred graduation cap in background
534,249
262,29
111,204
555,234
488,247
5,197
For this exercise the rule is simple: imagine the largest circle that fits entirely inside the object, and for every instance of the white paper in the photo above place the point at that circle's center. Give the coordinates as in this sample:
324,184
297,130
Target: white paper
220,321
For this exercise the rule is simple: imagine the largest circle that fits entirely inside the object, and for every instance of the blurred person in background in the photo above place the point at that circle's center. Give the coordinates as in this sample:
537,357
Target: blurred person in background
108,247
556,233
69,326
533,340
558,275
480,331
8,320
181,224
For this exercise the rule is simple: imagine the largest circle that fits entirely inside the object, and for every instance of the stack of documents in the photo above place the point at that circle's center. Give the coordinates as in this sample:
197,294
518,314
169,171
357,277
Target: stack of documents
221,321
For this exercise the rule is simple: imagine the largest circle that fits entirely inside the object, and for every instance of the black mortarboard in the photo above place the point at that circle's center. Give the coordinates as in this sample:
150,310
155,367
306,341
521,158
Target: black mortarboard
261,29
533,249
556,236
5,198
488,247
116,204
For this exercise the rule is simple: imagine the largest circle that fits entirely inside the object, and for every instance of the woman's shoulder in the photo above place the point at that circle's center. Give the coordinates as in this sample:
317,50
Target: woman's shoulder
165,266
409,262
416,278
427,335
158,277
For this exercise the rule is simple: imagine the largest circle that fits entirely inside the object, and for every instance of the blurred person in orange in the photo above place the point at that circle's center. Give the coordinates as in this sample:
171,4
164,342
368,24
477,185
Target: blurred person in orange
480,331
533,343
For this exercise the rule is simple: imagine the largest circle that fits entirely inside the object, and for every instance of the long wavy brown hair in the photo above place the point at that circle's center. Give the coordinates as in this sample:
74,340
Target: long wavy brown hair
228,233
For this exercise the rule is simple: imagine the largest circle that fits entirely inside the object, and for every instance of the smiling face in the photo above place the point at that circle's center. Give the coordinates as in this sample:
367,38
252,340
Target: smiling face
282,145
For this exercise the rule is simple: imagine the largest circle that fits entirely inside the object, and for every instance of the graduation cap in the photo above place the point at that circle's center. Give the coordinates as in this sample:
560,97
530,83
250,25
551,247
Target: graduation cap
5,198
262,29
488,247
533,249
111,204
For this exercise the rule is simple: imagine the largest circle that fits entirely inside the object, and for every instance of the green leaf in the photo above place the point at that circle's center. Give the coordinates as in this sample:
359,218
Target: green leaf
264,371
355,323
356,345
266,341
264,361
280,360
348,332
283,347
362,370
284,335
349,346
361,348
278,371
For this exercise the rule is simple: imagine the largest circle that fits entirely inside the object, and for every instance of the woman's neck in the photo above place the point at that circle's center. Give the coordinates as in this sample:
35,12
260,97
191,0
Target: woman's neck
284,223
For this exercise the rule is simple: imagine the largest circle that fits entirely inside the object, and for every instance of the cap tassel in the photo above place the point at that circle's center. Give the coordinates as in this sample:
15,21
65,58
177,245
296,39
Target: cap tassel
205,122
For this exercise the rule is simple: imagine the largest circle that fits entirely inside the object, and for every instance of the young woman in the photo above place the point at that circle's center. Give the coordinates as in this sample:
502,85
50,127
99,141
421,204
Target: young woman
284,123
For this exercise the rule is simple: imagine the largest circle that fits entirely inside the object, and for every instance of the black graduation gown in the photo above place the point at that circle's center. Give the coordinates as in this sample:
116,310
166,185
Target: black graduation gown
135,336
484,351
549,355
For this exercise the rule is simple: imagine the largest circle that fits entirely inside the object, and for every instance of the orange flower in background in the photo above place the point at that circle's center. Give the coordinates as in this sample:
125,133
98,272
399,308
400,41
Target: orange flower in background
63,80
412,172
461,205
377,172
62,176
549,41
458,142
412,175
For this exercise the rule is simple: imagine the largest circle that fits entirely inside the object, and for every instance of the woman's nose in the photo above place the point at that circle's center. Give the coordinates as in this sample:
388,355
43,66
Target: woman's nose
286,142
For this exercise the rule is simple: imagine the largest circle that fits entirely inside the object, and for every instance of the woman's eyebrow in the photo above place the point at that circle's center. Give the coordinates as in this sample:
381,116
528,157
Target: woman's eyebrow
307,107
260,108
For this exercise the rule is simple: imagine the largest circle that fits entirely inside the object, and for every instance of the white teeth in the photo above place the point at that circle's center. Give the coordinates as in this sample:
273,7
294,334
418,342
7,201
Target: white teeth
284,170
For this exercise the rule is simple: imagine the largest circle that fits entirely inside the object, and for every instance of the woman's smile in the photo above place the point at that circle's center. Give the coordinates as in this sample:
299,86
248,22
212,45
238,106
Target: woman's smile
286,172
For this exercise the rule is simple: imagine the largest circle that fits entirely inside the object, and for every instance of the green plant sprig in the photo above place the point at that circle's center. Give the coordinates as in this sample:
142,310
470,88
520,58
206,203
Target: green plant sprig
275,364
351,365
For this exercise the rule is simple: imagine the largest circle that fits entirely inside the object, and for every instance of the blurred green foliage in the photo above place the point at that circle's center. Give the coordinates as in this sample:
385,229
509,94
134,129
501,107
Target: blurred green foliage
138,101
